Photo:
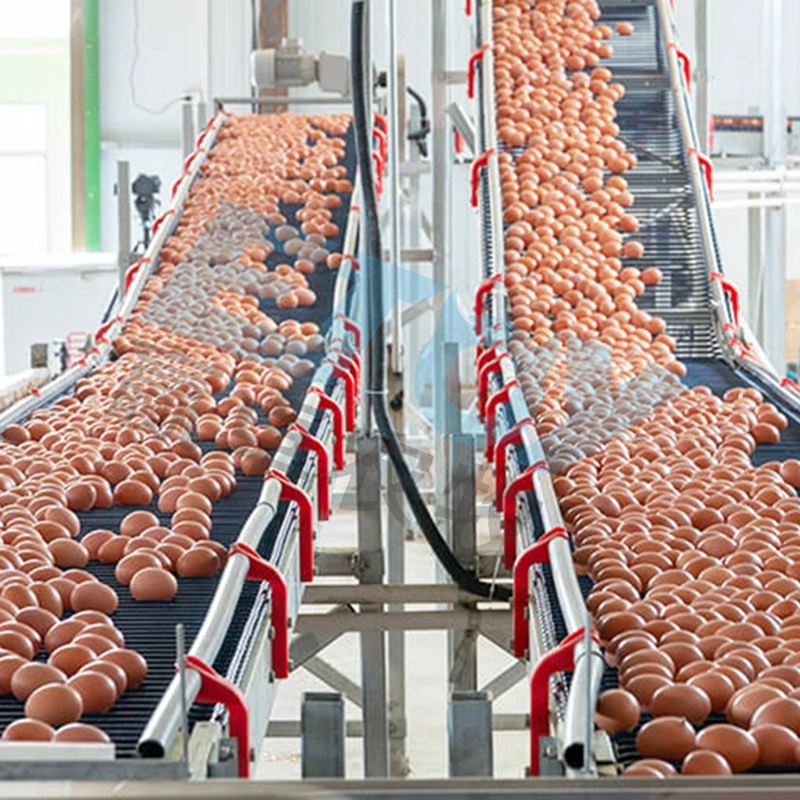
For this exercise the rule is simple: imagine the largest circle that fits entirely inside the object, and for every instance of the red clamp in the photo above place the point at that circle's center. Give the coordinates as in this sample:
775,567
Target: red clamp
484,288
732,292
788,383
471,64
100,333
131,272
559,659
468,8
329,404
157,224
492,367
380,122
379,167
743,350
383,141
487,355
537,553
522,483
686,63
36,391
708,169
292,493
480,161
349,325
509,438
350,364
216,689
310,442
176,185
349,394
500,396
261,570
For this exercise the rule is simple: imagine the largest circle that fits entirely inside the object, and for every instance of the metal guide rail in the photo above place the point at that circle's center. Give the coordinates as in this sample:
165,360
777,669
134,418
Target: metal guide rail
238,626
536,546
672,186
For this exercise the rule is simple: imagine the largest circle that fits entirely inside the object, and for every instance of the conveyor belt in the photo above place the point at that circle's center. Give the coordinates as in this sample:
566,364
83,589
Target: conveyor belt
125,722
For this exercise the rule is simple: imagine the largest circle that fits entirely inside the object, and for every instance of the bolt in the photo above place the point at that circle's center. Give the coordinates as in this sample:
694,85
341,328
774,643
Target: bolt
550,751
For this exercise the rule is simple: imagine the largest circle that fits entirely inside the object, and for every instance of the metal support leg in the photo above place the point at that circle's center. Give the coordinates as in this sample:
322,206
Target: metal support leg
123,221
323,735
469,731
755,270
395,551
188,131
701,72
373,643
463,662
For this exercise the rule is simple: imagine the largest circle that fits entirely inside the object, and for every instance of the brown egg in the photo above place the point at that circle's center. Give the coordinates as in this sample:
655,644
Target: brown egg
617,711
153,584
15,642
81,496
110,670
735,745
9,664
80,732
650,767
94,540
69,658
643,687
133,493
68,553
54,704
705,762
132,563
96,596
776,745
62,633
98,692
106,630
282,416
681,700
112,551
667,738
133,665
28,678
718,688
784,711
40,619
97,644
198,562
136,522
28,730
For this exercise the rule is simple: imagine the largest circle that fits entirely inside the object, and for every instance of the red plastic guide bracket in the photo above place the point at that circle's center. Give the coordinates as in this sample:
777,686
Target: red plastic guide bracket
349,394
132,271
481,161
491,367
310,442
381,122
157,224
349,363
379,168
513,436
329,404
100,333
383,141
293,493
732,292
471,65
262,570
560,659
487,355
483,337
468,8
537,553
522,483
686,63
708,169
216,689
484,288
349,325
500,396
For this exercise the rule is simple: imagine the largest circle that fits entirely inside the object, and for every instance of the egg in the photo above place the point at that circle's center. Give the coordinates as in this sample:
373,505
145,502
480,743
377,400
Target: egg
112,671
98,691
705,762
54,704
9,664
95,596
667,738
69,658
33,675
131,662
198,562
617,711
776,745
736,746
28,730
132,563
682,700
80,732
783,711
153,583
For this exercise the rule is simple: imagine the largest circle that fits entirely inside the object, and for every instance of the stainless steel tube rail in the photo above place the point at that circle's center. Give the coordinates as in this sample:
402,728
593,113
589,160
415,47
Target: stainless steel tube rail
589,664
724,328
126,303
162,728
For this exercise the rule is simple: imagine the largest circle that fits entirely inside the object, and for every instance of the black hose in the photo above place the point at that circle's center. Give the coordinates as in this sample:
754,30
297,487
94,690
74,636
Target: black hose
466,580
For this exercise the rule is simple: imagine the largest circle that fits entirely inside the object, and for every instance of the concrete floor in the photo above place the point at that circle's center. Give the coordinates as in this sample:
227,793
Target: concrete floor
426,673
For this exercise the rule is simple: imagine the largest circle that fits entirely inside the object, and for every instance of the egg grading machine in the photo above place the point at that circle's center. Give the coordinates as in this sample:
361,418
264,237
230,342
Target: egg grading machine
672,185
238,622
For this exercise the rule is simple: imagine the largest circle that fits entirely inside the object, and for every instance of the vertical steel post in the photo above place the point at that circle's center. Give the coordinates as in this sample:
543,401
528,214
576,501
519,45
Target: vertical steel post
469,731
373,644
441,246
322,731
774,340
395,143
701,77
755,269
188,134
123,222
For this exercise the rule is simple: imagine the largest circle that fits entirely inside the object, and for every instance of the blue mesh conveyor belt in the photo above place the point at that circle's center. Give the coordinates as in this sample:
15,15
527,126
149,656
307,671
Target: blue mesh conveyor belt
150,627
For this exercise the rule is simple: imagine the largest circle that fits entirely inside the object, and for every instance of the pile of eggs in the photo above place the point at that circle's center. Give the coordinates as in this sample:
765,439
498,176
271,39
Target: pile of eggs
128,434
693,551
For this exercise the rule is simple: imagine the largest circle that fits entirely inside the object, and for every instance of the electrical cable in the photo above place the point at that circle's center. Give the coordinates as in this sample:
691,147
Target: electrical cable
465,579
132,72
